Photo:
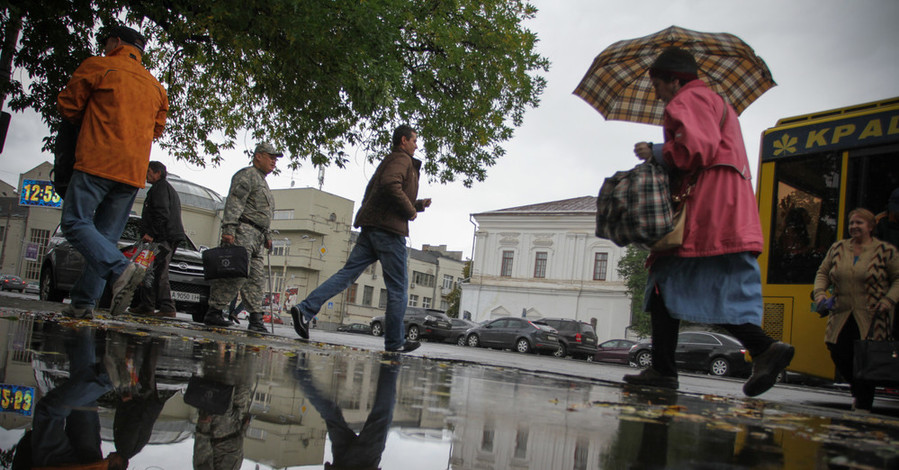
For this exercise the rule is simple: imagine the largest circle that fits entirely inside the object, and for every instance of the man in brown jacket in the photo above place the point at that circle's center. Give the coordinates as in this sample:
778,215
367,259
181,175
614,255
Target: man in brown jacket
121,108
387,207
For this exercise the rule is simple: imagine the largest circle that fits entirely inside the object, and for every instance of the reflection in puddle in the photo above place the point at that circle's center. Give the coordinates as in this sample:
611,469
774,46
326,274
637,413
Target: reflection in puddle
204,400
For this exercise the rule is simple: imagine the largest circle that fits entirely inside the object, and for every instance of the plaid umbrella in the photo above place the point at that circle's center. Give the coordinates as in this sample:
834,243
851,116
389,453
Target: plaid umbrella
618,85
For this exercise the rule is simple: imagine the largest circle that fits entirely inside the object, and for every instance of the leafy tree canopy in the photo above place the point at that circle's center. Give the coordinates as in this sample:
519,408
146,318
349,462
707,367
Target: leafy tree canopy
633,270
313,76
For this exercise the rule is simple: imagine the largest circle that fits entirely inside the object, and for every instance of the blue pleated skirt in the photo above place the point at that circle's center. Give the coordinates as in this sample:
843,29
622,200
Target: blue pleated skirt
714,289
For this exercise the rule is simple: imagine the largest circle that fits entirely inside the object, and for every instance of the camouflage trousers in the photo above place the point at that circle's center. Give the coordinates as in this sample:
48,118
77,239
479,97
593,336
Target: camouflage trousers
218,442
251,288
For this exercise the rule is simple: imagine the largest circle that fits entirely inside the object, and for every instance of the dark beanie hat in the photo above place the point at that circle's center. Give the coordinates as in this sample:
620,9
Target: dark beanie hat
676,62
125,34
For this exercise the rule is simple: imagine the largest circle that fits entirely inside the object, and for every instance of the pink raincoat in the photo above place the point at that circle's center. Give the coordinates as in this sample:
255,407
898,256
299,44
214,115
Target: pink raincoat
722,213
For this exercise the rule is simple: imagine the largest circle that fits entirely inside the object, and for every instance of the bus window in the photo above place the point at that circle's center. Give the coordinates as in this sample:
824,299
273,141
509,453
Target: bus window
873,175
805,216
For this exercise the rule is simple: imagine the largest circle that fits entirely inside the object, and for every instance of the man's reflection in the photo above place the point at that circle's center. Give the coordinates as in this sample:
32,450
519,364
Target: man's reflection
350,450
66,425
219,438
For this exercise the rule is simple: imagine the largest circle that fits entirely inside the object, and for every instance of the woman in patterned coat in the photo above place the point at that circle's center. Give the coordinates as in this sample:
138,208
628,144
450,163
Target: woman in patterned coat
864,274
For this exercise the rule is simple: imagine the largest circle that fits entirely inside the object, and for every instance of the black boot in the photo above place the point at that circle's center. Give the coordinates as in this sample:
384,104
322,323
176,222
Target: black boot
215,317
256,323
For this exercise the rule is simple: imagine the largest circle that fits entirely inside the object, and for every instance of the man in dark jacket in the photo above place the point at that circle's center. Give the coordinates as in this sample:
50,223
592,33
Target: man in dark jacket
161,220
387,207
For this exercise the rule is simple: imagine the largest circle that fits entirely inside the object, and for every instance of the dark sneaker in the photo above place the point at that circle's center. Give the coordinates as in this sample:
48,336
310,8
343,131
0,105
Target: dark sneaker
407,348
300,324
140,311
123,288
767,367
166,314
649,377
85,313
215,318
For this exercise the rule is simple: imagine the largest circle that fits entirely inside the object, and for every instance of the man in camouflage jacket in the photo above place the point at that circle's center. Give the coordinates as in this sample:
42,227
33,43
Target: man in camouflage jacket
249,209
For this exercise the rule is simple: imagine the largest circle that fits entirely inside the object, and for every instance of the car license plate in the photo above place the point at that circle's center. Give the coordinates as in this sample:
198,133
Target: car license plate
551,337
16,398
185,296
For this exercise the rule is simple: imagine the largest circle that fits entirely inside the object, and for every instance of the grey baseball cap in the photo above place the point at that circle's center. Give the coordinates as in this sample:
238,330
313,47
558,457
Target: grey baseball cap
266,147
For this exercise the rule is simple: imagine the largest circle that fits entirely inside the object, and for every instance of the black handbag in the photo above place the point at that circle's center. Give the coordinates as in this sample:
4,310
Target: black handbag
208,395
226,262
877,361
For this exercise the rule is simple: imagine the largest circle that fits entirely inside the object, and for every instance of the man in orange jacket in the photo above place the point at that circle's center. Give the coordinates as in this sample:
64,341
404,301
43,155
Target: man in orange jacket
121,108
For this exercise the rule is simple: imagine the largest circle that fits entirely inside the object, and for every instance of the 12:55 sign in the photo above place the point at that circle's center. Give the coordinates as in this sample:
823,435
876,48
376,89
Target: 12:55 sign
38,193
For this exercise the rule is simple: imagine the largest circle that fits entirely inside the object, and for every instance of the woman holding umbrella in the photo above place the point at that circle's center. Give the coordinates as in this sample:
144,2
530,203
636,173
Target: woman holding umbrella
714,276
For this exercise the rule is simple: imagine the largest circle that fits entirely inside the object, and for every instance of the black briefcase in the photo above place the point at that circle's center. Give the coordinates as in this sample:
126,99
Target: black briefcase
226,262
208,395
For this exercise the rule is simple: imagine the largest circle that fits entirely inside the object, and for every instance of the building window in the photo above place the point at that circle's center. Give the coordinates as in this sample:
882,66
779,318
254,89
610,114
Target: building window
367,293
540,264
426,302
506,268
279,250
351,293
600,263
40,238
444,305
382,299
286,214
413,300
422,279
447,281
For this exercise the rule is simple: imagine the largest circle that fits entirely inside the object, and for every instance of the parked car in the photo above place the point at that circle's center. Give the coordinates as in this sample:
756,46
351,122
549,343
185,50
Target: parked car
457,333
576,338
360,328
10,282
519,334
62,264
715,353
613,350
33,287
420,323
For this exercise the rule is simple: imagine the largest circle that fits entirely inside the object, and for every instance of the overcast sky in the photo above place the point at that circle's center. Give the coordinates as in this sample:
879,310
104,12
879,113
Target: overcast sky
823,54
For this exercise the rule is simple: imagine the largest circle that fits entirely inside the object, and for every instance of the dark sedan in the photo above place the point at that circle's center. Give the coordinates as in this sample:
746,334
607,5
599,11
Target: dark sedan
613,350
460,327
10,282
360,328
515,333
715,353
420,323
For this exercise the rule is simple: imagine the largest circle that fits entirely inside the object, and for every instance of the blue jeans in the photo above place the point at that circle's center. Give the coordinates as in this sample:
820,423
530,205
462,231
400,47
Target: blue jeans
94,215
351,450
372,245
66,426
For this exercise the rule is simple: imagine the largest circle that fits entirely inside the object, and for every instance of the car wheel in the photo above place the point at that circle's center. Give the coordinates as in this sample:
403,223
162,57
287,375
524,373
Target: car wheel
414,333
644,359
474,341
48,290
523,346
561,352
460,340
377,329
719,367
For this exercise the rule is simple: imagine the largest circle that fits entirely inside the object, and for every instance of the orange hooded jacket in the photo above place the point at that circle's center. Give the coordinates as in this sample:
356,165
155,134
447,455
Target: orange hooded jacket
121,108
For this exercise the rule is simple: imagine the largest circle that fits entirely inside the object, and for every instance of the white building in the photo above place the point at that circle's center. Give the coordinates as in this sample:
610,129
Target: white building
544,261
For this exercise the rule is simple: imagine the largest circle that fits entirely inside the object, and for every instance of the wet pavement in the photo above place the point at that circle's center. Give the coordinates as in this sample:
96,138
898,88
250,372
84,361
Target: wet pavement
170,394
